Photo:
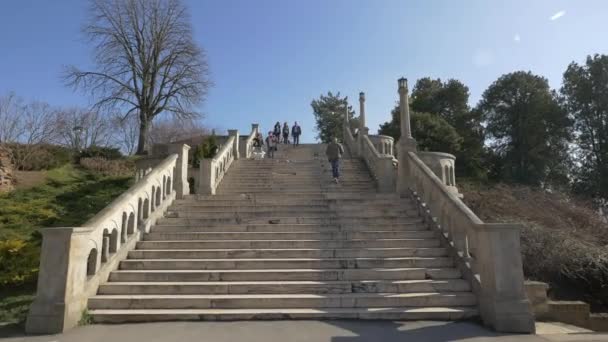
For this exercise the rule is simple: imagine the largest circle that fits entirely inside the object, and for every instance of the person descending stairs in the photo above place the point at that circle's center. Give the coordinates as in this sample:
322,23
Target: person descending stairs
280,240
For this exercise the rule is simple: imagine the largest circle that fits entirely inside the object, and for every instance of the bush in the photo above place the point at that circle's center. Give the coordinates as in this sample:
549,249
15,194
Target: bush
207,149
39,157
563,241
109,153
108,167
18,263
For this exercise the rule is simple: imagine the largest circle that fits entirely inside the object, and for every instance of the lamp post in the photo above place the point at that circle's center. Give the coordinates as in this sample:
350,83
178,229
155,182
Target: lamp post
361,111
407,143
404,108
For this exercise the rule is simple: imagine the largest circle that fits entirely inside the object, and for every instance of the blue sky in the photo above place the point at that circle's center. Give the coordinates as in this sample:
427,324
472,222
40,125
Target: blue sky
270,58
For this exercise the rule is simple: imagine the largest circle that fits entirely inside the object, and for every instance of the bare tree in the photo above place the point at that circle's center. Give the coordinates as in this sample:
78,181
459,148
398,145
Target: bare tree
170,130
80,128
37,122
11,124
147,61
125,133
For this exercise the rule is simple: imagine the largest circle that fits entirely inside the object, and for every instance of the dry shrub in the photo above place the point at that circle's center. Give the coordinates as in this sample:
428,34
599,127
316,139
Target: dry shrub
119,167
564,242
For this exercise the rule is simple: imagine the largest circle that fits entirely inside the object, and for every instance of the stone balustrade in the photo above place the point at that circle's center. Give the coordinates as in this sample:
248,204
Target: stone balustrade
443,165
246,149
383,144
381,166
75,260
212,170
489,255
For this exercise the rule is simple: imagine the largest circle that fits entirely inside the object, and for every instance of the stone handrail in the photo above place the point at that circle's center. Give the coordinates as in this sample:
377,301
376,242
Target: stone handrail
212,170
382,166
74,261
349,140
488,255
247,148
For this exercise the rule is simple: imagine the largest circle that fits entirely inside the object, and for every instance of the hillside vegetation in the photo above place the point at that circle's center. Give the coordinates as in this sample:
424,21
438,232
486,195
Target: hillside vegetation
68,197
564,241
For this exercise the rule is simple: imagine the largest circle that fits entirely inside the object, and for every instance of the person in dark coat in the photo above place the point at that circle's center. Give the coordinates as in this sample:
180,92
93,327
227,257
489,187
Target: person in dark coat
334,152
296,131
277,131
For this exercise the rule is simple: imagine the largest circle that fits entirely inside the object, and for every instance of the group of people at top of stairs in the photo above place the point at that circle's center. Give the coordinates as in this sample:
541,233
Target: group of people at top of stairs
274,138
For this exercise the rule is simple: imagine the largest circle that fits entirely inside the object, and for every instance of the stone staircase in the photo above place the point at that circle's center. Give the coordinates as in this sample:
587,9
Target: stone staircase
281,241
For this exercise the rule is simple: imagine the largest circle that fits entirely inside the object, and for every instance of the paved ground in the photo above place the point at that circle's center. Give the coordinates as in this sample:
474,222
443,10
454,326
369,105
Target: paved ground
300,331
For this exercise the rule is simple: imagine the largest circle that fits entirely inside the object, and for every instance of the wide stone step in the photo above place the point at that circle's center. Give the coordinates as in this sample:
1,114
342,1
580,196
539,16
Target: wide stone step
283,244
286,253
178,236
238,219
413,226
277,274
386,313
276,287
267,301
249,264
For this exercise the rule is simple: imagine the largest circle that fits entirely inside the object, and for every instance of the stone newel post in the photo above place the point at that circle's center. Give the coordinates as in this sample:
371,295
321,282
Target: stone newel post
363,131
235,150
181,185
61,295
361,111
406,142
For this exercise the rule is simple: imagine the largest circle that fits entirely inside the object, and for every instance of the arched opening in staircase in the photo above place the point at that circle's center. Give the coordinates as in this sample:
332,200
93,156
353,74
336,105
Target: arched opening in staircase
168,186
105,240
158,196
113,241
146,211
131,224
92,262
140,211
164,190
152,207
123,228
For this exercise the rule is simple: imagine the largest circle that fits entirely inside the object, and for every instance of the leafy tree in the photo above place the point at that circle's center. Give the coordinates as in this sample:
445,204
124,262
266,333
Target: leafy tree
432,133
450,101
526,128
585,97
329,114
146,61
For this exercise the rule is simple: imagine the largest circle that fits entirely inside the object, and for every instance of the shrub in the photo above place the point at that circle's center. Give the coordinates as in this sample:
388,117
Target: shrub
110,153
207,149
18,263
108,167
39,156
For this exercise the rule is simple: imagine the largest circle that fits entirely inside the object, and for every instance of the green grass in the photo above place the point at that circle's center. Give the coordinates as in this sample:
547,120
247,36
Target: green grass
69,197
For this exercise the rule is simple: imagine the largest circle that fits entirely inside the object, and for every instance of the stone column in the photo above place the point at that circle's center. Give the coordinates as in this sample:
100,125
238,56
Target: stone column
180,176
361,110
406,142
60,296
235,148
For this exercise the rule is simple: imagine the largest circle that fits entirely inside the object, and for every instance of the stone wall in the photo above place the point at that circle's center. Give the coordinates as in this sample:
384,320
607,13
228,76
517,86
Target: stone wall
7,180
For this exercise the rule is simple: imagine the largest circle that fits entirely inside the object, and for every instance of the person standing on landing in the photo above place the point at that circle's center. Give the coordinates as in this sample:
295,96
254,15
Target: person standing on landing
271,144
277,131
286,133
334,152
295,133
